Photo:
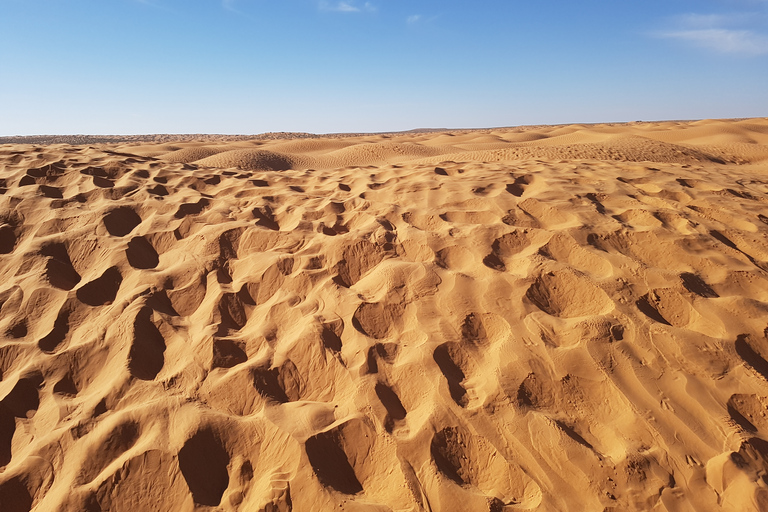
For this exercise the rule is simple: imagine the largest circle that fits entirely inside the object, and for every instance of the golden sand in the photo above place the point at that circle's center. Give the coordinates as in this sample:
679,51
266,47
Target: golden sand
559,318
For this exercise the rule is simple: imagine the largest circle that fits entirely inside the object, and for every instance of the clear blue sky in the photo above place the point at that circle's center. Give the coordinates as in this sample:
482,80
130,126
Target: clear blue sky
250,66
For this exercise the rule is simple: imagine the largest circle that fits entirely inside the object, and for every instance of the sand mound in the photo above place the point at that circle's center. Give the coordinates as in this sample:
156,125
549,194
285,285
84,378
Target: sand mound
251,160
373,153
189,155
622,148
581,331
311,146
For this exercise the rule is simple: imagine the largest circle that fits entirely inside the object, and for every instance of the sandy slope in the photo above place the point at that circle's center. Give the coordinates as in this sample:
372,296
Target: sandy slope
565,318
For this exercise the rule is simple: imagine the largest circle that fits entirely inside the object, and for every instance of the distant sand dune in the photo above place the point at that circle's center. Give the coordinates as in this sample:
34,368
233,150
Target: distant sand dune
189,155
740,142
554,318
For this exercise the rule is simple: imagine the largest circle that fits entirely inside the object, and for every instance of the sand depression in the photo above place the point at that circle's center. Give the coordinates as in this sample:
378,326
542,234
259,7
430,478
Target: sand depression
558,318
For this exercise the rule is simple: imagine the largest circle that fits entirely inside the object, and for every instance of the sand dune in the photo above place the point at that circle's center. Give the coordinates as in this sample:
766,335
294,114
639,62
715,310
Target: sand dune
189,154
253,160
555,318
744,141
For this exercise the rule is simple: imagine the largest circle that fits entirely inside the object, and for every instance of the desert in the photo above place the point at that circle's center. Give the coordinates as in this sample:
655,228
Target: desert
568,317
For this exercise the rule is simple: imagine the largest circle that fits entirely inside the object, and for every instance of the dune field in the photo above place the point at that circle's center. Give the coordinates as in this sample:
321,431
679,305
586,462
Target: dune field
554,318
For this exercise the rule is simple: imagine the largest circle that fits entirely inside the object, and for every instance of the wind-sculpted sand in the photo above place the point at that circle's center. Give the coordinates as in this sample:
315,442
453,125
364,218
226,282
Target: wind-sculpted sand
560,318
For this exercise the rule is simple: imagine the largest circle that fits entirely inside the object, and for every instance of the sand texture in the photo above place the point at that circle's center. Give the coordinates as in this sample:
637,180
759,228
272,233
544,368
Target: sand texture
555,318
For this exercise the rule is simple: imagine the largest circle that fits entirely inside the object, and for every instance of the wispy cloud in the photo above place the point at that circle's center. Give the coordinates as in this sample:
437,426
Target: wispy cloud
705,21
347,6
721,40
238,7
414,18
721,33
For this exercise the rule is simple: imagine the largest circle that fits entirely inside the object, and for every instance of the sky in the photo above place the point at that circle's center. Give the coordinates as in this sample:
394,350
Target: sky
329,66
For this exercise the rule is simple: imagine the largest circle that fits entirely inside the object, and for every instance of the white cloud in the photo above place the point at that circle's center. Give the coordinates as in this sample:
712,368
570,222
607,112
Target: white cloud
723,40
347,7
721,33
702,21
413,19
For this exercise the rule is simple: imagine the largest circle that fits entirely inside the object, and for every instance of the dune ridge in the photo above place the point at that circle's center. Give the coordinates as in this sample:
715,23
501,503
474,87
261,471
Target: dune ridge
565,318
740,142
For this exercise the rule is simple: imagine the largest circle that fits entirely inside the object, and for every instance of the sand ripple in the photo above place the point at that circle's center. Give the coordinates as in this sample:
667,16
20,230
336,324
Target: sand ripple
568,318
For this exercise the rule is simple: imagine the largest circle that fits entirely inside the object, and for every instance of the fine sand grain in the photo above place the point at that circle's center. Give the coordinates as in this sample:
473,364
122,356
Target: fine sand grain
554,318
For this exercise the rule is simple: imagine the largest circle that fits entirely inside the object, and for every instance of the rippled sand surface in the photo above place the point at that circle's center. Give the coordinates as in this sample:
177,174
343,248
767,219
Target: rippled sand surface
552,318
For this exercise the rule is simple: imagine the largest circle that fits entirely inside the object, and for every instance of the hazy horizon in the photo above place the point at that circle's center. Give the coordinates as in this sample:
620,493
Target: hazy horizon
405,131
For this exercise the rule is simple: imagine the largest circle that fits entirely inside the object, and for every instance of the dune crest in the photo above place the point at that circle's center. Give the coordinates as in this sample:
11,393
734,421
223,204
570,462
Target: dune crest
558,318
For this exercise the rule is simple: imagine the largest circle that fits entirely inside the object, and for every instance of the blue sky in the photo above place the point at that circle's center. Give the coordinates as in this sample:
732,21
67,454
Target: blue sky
251,66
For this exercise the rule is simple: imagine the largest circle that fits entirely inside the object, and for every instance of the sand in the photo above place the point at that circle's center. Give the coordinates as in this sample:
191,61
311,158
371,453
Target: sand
552,318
